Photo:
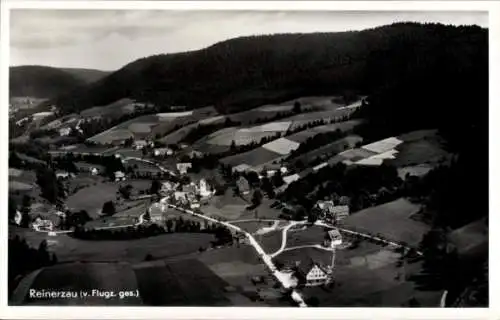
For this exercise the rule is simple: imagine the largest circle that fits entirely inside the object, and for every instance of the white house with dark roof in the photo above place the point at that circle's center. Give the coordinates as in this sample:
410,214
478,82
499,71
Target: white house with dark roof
119,176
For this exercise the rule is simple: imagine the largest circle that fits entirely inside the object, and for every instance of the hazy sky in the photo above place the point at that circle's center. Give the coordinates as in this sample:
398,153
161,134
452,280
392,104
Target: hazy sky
109,39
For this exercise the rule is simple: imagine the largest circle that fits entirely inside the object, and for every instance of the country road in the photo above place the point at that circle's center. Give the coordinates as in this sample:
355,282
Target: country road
283,279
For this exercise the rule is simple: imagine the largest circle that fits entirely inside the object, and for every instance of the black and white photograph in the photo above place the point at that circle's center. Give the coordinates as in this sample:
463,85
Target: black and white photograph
232,157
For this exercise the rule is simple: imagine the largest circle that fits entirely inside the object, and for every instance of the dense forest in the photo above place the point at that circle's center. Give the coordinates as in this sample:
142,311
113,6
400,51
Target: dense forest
245,72
48,82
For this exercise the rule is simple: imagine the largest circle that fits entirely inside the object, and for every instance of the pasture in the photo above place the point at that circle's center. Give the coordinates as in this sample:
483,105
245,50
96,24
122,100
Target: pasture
173,284
312,235
162,246
392,220
226,206
93,197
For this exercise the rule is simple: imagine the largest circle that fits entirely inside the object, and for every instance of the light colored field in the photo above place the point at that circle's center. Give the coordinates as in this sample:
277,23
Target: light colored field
269,127
281,146
19,186
383,145
212,120
391,220
174,114
378,159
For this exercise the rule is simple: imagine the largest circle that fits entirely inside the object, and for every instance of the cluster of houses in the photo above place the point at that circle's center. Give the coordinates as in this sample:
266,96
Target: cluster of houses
332,213
315,271
192,194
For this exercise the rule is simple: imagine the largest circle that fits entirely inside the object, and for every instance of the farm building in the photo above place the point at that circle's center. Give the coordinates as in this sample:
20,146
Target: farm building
168,187
205,190
180,196
119,176
63,175
42,224
332,212
140,144
65,131
156,213
183,167
311,273
163,152
90,168
241,168
243,185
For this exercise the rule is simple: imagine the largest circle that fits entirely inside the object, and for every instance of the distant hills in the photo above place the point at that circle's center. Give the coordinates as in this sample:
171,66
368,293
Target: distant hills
245,72
48,82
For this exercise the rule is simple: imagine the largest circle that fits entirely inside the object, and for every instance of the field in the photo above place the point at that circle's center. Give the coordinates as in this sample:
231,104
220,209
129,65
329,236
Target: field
392,220
173,284
115,109
142,167
226,206
92,197
163,246
309,236
270,242
369,276
420,147
255,157
289,257
19,186
328,150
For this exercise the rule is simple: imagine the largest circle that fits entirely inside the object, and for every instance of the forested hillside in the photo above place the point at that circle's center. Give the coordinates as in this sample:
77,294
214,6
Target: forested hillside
48,82
248,71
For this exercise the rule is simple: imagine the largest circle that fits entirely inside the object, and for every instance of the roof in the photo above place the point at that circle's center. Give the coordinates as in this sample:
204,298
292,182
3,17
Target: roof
159,283
85,165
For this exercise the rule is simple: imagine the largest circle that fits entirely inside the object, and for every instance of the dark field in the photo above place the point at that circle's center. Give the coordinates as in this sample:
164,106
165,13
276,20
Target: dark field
253,157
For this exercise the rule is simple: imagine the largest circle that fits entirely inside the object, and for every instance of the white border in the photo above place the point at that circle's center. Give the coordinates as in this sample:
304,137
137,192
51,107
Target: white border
262,313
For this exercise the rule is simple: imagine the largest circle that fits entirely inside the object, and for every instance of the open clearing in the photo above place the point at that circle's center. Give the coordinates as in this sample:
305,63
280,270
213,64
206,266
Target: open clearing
92,198
392,220
162,246
311,235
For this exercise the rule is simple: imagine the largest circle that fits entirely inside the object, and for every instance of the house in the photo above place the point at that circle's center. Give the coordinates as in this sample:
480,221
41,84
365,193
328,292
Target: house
291,178
205,190
167,187
241,168
194,205
157,213
181,197
243,185
331,212
335,237
90,168
18,218
140,144
183,167
162,152
311,273
63,175
339,213
119,176
65,131
190,188
41,224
